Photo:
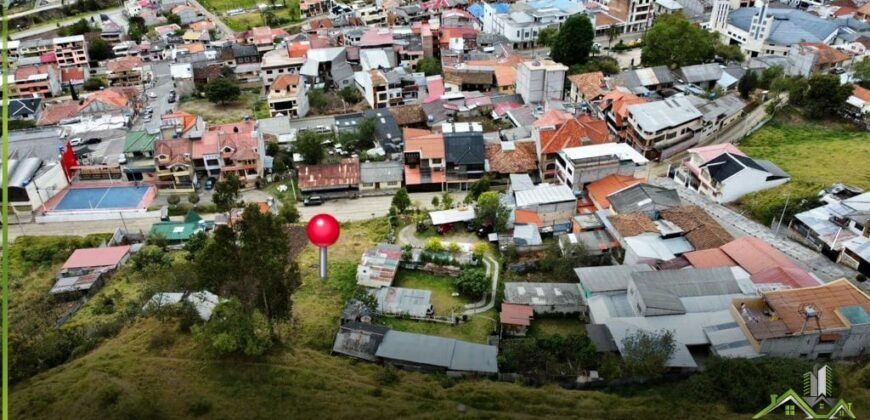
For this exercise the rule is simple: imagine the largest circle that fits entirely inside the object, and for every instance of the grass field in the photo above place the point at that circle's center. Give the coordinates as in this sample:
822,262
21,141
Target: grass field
440,286
151,371
252,20
562,326
813,152
247,104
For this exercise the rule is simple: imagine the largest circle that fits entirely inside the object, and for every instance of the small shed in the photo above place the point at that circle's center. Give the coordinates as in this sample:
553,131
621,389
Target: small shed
401,301
451,216
515,319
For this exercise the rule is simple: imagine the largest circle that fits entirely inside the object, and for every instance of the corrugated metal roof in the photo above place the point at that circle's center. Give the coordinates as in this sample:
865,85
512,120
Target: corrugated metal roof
544,194
608,278
542,293
452,216
403,301
438,351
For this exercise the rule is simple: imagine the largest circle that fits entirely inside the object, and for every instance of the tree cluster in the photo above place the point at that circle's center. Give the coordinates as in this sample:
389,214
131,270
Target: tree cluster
491,211
573,43
222,90
675,42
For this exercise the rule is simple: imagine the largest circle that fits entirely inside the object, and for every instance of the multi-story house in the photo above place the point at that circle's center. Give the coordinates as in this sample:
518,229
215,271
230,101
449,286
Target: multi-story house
724,174
69,51
276,63
465,154
661,129
381,89
556,131
173,164
424,159
636,15
550,207
578,166
263,37
822,322
236,148
35,81
541,80
124,71
522,23
613,109
288,97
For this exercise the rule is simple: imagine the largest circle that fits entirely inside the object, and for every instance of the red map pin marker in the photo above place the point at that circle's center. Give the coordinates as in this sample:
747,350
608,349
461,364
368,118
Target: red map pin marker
323,231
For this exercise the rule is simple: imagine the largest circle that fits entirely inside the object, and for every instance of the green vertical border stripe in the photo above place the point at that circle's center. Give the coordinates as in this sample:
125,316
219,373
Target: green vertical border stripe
5,210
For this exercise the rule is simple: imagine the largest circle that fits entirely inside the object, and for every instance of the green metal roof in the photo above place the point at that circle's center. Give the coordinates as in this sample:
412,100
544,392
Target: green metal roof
139,141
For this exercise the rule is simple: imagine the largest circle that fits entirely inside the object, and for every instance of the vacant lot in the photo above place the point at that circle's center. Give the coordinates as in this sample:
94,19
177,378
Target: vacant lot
542,327
441,287
814,154
248,104
252,20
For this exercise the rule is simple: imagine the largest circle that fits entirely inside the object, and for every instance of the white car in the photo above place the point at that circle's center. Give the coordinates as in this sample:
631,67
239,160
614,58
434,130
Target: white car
76,141
152,95
122,159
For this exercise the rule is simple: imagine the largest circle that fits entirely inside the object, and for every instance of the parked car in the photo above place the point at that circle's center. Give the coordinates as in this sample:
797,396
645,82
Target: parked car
152,95
149,109
838,70
209,183
76,141
122,159
312,200
484,231
93,140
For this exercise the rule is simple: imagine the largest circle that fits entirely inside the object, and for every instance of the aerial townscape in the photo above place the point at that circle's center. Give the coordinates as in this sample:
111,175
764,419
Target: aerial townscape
548,209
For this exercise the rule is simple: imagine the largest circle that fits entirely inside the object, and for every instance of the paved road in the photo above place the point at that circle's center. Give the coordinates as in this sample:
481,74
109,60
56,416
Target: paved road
740,225
116,14
162,85
79,228
347,210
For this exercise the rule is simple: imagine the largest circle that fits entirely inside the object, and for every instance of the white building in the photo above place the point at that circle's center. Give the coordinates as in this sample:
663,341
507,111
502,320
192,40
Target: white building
541,80
663,128
762,30
523,21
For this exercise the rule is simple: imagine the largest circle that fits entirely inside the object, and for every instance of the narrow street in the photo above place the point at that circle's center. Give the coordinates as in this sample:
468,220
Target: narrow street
739,225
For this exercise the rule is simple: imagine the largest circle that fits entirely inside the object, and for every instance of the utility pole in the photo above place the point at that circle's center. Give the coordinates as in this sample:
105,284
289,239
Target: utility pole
778,225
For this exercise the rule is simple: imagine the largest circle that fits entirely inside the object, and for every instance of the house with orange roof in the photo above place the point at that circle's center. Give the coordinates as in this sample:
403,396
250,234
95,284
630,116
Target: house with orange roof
574,132
600,190
860,99
425,158
181,125
40,80
587,87
263,37
124,71
115,101
816,57
829,321
613,108
288,97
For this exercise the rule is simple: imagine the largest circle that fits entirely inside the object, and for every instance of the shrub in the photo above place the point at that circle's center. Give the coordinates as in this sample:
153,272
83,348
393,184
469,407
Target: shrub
193,198
173,200
454,248
479,250
108,396
434,245
387,376
161,340
865,378
199,408
472,283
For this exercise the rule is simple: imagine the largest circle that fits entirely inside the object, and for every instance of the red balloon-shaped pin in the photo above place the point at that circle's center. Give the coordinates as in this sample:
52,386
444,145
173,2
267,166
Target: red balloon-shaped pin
323,230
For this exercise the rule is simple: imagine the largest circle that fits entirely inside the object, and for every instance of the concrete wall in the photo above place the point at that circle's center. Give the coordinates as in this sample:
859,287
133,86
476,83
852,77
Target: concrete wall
852,343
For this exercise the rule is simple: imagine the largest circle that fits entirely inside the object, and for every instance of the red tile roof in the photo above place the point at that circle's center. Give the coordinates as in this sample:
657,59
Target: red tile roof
827,54
513,314
53,114
96,257
527,217
72,74
709,258
755,255
430,146
522,159
589,84
553,117
790,276
124,64
188,121
601,189
285,80
574,133
861,93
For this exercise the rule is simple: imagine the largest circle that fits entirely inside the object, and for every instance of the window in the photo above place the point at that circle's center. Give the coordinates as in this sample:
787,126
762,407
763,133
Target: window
789,410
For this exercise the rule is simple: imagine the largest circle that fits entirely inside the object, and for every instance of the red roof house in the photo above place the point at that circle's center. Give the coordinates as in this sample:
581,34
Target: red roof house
93,258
